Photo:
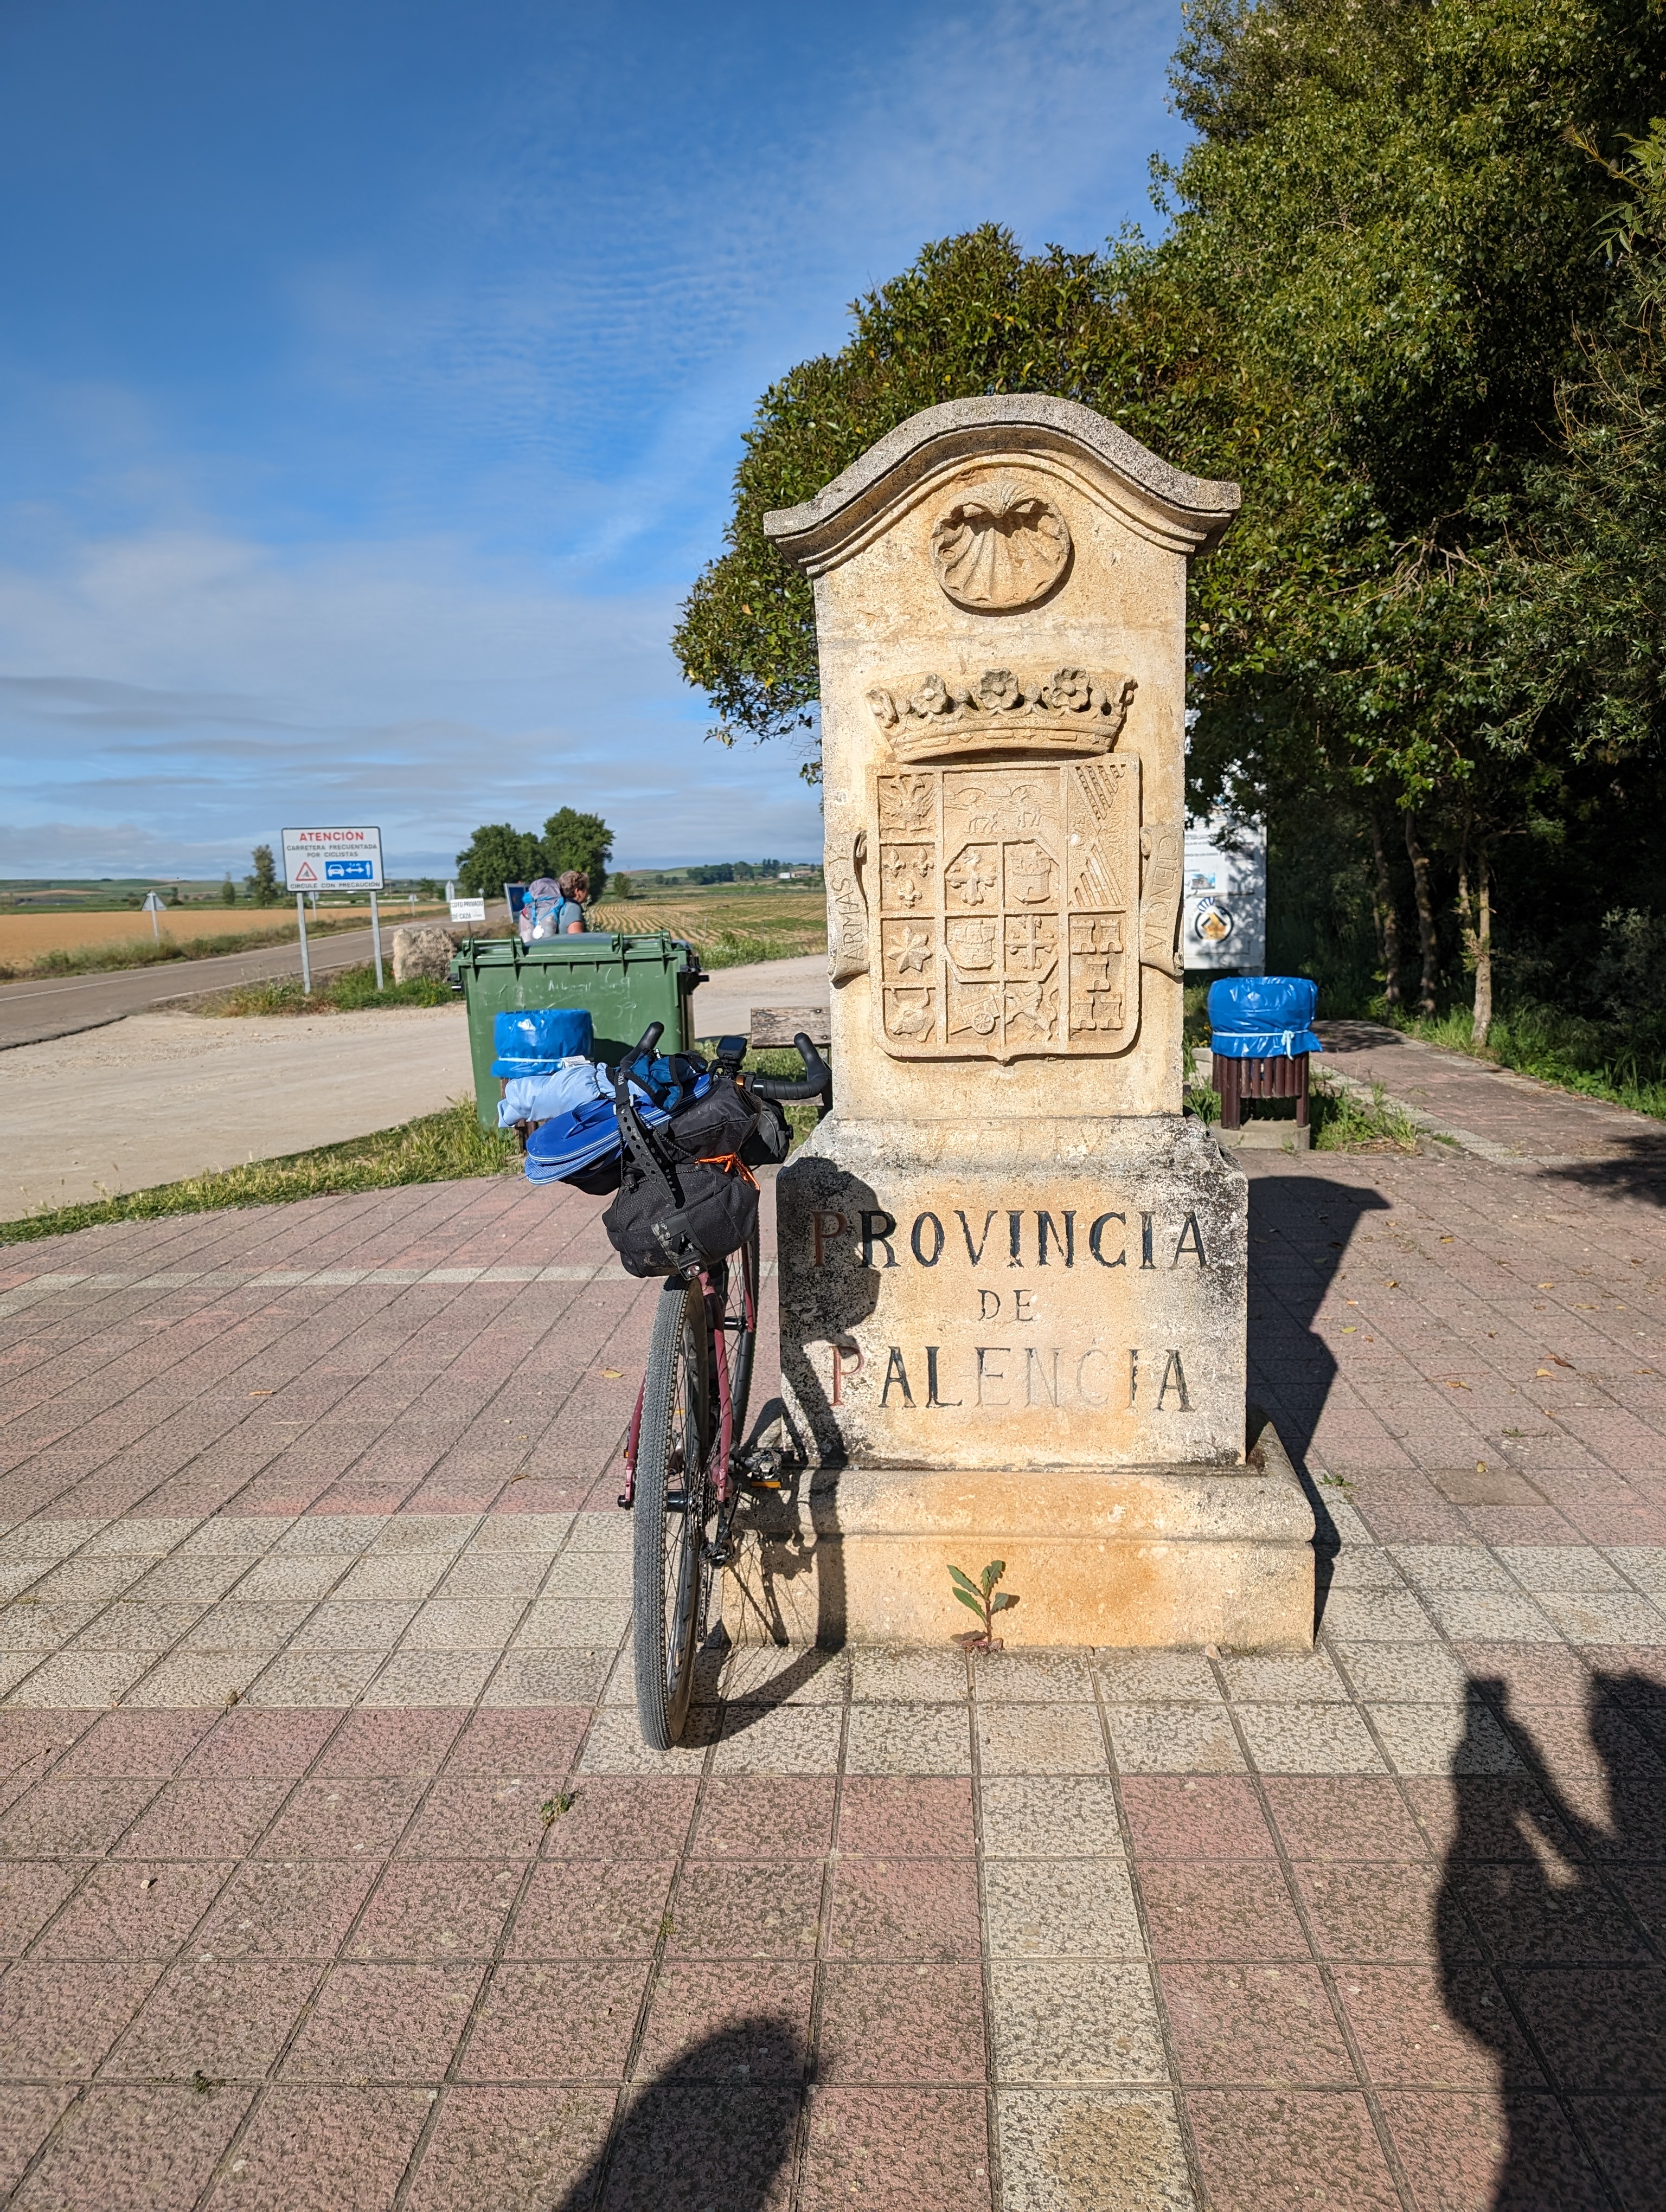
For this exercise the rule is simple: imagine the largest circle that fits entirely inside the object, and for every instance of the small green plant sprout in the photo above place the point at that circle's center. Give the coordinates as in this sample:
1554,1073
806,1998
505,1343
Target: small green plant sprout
981,1597
552,1808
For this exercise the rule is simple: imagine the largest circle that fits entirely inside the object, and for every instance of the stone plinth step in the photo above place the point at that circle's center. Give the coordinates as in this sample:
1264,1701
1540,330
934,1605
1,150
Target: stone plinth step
1130,1556
1264,1137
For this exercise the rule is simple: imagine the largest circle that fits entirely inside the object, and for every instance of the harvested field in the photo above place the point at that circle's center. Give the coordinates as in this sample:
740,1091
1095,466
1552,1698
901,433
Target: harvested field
732,924
23,937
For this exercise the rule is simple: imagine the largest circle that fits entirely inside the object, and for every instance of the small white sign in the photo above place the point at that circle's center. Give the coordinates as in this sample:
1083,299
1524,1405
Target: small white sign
331,860
153,904
1224,920
467,909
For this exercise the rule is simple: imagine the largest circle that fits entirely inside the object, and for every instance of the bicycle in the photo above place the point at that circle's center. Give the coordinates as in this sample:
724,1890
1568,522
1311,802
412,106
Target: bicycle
683,1468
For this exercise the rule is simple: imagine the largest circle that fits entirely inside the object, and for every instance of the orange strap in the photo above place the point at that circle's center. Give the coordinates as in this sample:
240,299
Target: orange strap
730,1163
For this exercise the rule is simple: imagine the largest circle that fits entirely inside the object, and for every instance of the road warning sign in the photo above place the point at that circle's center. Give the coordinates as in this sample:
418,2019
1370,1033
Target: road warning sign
317,860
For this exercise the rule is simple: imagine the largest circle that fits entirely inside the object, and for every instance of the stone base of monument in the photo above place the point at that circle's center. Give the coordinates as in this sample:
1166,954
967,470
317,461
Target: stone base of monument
1264,1137
1150,1556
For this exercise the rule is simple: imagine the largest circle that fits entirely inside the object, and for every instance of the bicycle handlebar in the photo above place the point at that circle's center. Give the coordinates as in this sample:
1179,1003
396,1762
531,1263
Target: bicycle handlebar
817,1079
817,1076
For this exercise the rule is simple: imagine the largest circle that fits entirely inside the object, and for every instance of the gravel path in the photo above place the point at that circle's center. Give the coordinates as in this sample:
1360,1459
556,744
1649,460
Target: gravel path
158,1097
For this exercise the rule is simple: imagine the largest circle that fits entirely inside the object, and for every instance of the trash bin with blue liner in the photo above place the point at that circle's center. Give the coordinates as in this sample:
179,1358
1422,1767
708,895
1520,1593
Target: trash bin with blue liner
622,982
1262,1032
535,1040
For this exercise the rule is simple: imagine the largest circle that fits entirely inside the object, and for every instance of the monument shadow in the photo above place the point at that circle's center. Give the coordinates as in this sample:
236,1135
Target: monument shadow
1291,1367
1550,1950
789,1529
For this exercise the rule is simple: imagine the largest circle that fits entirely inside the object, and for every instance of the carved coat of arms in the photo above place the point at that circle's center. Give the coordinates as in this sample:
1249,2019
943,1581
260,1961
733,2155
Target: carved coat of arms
1003,887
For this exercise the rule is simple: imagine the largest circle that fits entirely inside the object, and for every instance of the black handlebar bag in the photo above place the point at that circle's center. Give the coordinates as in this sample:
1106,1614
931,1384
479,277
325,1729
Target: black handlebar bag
686,1201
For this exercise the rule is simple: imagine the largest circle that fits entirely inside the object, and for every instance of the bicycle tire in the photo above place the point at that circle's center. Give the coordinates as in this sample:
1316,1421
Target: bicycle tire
742,1269
668,1570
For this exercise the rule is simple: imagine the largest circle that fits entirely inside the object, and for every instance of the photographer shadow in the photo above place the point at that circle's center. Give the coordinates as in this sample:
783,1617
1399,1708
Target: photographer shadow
716,2127
1547,1963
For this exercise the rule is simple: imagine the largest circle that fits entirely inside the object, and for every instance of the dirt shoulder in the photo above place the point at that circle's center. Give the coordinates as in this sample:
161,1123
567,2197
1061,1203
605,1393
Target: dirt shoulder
161,1096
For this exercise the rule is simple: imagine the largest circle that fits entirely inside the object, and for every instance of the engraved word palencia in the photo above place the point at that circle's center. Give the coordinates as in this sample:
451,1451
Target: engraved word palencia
1000,548
1065,710
1007,904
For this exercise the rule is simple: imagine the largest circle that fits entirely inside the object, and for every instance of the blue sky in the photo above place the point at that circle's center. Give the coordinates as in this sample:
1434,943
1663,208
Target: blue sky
372,377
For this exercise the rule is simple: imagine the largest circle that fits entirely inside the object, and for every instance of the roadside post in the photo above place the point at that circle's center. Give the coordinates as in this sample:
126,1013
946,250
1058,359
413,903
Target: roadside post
153,907
314,859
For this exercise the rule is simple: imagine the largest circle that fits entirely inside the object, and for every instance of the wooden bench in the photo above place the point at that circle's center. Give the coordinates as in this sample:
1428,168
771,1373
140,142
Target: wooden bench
772,1028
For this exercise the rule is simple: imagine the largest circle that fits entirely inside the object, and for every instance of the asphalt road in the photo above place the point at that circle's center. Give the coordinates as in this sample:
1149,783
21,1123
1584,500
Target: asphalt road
49,1006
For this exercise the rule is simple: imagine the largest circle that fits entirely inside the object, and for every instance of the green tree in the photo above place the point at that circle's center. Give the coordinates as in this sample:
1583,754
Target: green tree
498,854
261,884
1379,259
973,315
1582,623
572,840
228,893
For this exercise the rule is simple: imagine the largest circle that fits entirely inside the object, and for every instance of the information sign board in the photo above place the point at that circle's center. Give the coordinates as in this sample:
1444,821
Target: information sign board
1223,915
468,909
325,859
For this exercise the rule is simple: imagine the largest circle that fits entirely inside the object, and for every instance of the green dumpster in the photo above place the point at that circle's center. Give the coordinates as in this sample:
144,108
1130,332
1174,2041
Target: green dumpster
625,983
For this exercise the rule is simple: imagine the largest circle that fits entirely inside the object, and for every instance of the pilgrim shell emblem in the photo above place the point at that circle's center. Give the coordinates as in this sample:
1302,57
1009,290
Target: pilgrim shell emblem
998,548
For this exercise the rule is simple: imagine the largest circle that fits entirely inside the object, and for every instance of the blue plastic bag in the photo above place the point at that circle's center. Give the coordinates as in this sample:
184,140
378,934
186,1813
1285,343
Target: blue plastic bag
1263,1017
582,1137
537,1097
535,1040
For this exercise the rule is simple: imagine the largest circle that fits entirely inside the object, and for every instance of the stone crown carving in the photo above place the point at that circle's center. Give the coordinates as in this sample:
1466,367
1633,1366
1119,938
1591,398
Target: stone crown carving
1067,710
1000,548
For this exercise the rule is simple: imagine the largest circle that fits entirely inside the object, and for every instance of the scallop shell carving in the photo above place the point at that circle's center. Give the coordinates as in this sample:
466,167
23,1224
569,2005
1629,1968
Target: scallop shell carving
1002,547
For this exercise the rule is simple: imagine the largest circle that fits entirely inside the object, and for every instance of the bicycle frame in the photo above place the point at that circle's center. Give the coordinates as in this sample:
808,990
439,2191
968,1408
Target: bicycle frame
718,1338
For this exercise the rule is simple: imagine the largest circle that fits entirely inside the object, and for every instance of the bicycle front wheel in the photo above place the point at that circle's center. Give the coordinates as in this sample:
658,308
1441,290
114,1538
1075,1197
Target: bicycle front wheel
740,1291
672,1505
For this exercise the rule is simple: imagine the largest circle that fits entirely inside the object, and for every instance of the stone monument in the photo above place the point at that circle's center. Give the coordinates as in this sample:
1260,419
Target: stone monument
1011,1269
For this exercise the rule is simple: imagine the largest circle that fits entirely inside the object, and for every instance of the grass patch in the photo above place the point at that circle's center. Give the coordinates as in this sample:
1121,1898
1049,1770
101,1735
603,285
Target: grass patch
1342,1120
348,991
1345,1122
1567,1050
151,952
436,1148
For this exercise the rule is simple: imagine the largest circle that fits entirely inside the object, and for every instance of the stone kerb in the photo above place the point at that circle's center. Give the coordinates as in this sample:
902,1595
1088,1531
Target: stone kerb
1007,1253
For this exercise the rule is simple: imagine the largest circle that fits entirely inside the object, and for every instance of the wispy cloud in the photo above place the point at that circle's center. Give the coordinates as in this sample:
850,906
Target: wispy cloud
389,510
427,688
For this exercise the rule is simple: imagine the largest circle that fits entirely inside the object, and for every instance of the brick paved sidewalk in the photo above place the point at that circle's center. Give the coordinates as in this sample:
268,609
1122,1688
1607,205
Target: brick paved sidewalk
1493,1112
1384,1927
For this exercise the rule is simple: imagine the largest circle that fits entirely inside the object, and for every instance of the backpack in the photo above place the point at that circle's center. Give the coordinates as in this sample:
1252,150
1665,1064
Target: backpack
685,1200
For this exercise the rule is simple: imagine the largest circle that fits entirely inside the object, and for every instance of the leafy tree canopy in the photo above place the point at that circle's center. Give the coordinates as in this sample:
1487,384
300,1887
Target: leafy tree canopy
572,840
1383,306
261,884
1381,247
498,854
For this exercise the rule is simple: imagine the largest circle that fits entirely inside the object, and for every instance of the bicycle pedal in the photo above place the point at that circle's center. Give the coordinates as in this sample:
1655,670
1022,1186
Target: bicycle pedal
626,1501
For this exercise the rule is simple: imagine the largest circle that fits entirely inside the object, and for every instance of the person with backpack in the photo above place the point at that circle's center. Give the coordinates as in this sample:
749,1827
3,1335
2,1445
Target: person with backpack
575,888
